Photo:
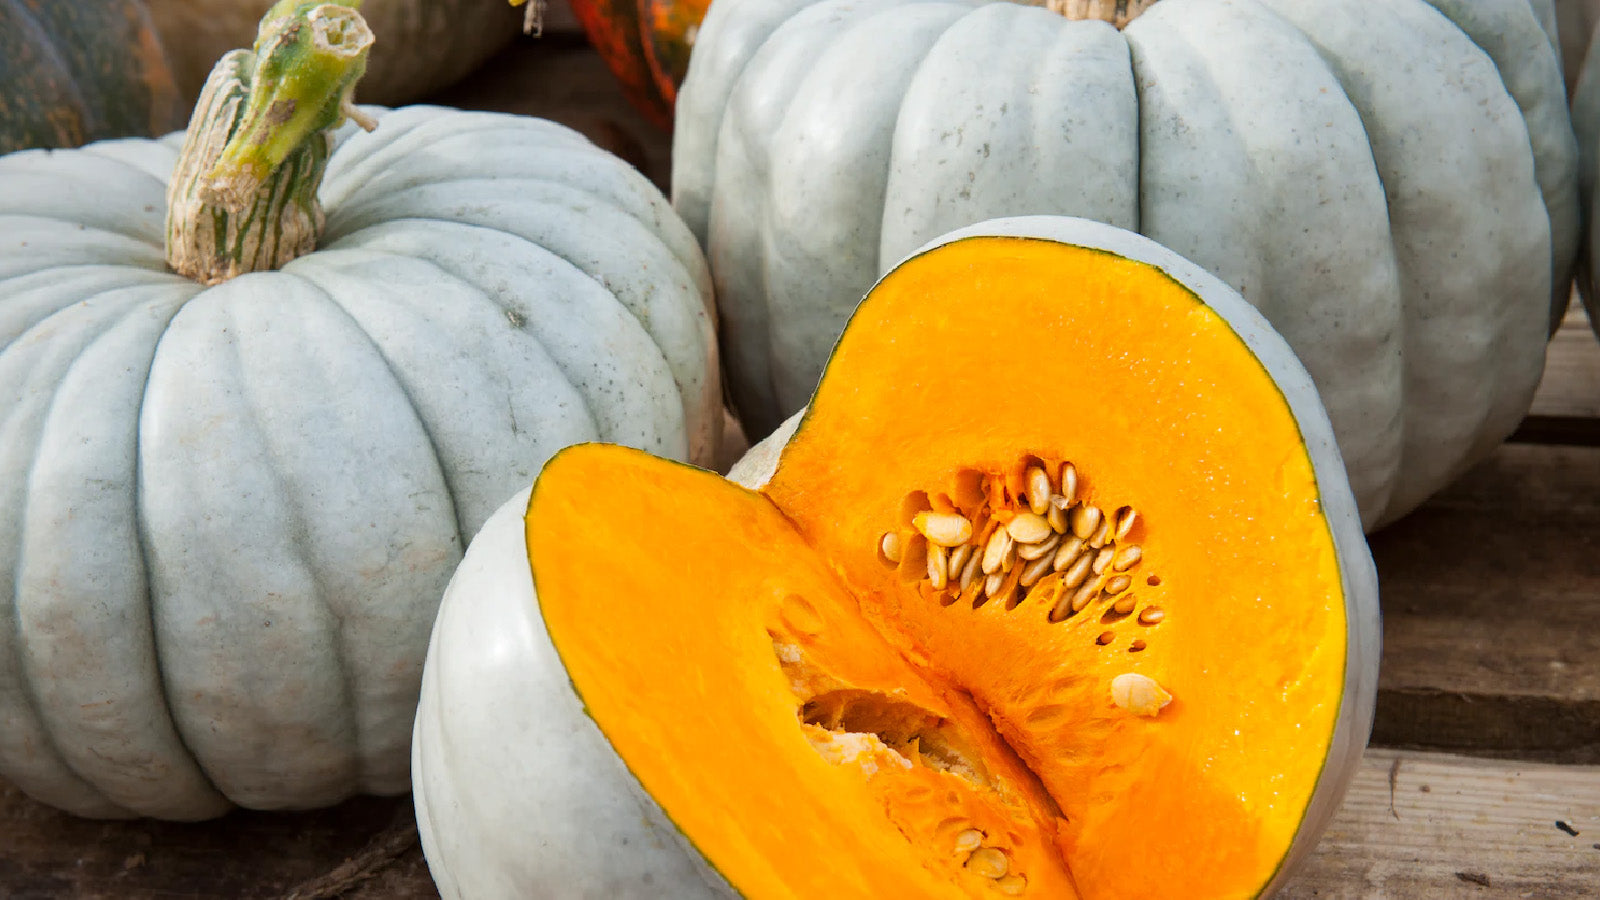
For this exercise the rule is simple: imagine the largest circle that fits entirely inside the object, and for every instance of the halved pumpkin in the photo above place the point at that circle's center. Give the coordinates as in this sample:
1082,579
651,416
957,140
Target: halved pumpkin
1057,590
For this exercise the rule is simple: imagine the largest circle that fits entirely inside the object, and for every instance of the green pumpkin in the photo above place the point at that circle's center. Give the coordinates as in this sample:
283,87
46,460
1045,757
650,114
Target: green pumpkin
71,73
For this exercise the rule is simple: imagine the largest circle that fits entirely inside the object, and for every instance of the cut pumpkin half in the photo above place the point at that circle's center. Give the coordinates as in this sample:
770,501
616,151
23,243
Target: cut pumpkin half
1056,590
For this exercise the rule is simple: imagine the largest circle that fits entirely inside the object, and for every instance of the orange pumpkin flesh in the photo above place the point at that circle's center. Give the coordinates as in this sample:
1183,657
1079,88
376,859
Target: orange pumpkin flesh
820,722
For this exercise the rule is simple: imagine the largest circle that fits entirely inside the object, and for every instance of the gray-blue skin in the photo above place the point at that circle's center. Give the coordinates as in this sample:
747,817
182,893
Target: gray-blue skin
227,514
1398,200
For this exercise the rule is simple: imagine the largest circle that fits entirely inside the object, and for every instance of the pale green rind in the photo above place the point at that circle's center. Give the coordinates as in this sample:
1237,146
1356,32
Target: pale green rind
282,497
518,793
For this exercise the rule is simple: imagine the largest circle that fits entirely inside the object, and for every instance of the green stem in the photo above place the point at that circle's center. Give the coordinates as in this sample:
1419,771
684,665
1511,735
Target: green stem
244,195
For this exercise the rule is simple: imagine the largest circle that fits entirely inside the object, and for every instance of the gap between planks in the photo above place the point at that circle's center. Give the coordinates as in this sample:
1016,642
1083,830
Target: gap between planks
1421,826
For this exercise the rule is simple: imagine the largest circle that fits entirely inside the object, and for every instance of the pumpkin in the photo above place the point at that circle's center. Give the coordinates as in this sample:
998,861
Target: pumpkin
646,681
646,44
71,73
424,45
230,502
1392,184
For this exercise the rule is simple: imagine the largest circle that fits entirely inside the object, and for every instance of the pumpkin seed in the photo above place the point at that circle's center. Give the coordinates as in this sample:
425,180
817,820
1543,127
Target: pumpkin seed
938,566
1139,694
1125,604
1031,552
970,570
1118,584
1136,646
1028,528
1102,535
1127,558
969,840
1150,615
1126,517
1038,490
1084,595
1067,552
994,554
1105,638
958,559
1012,885
1056,515
1035,571
946,529
1069,483
988,862
1085,520
1078,572
1103,559
889,545
991,584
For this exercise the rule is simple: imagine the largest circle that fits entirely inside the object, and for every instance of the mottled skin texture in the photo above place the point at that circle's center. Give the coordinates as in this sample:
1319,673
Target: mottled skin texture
1393,185
423,45
71,73
519,793
227,514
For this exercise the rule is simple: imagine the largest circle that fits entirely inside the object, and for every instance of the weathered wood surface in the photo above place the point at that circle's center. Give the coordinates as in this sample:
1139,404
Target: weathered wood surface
1491,597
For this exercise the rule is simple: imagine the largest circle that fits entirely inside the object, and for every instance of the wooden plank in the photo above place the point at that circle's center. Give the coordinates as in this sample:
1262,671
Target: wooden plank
1491,602
1571,384
46,854
1419,826
1447,827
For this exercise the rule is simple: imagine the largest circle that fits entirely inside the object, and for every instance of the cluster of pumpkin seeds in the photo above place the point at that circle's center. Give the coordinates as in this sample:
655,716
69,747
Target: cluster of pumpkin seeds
989,862
1041,543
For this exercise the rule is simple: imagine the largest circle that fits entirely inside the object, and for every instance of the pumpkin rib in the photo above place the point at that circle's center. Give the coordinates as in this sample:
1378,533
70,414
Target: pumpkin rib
631,419
54,191
613,248
1200,65
1511,33
402,386
481,450
842,179
72,246
1502,180
34,297
1045,74
150,157
90,698
735,239
722,62
308,592
605,175
23,429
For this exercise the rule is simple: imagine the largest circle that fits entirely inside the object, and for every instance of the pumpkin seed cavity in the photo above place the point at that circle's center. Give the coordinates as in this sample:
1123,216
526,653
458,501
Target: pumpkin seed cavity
1025,539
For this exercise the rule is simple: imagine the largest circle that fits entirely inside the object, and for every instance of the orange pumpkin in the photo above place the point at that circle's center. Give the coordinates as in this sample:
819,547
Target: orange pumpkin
646,44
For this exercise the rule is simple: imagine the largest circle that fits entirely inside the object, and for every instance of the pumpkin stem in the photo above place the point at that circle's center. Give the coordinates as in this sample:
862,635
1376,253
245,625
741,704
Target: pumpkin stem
1117,12
244,195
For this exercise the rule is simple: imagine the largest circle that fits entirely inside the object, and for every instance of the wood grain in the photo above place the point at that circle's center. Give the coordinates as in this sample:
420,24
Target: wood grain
1459,828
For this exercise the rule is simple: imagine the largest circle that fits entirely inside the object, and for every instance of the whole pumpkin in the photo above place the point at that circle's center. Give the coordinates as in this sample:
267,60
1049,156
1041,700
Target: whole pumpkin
423,45
71,73
1392,184
227,512
968,633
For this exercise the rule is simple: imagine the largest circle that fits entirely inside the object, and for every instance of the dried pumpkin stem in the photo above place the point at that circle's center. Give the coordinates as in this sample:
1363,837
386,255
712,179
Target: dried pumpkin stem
244,195
1117,12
